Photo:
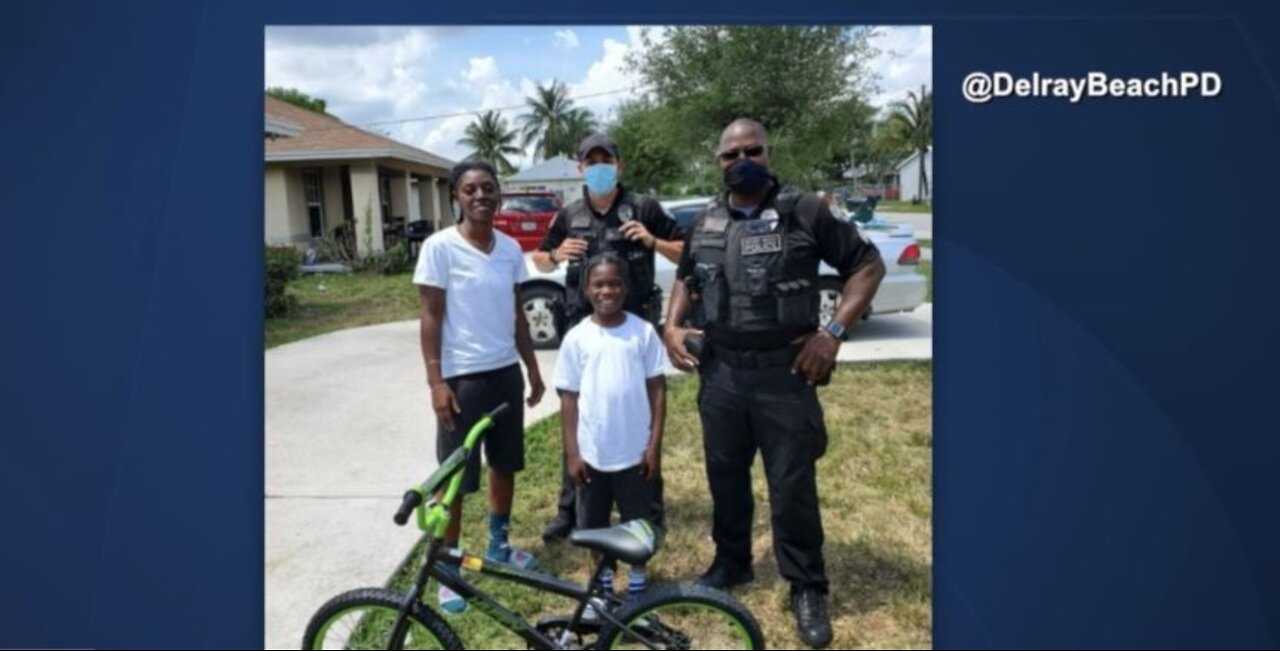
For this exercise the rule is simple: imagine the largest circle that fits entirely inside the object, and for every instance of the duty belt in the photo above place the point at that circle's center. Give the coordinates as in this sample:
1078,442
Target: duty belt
754,358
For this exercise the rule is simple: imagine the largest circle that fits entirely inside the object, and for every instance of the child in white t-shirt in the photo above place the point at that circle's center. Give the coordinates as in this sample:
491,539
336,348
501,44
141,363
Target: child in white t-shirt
613,406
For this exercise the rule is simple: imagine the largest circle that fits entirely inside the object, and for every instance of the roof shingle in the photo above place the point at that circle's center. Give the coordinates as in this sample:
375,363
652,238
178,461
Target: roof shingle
325,133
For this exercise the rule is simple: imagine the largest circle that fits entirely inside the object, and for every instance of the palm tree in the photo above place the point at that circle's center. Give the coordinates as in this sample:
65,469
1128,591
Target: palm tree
579,124
492,141
913,118
550,110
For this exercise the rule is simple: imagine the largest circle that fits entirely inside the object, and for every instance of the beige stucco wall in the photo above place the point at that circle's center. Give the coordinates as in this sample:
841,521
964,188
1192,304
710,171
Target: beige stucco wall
364,200
415,199
275,210
444,208
285,209
423,190
284,206
432,195
299,229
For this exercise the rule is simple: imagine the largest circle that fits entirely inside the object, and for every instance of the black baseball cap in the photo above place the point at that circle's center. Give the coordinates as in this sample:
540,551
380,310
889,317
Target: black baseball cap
597,140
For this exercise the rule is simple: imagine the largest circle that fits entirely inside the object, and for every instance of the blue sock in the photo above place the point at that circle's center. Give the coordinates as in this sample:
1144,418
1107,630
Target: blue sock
638,581
499,526
606,580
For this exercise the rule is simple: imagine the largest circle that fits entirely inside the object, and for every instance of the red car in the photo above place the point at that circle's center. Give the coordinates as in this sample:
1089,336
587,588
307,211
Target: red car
526,216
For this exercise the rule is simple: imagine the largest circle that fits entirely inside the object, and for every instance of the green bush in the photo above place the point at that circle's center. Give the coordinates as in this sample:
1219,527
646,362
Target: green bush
282,265
395,260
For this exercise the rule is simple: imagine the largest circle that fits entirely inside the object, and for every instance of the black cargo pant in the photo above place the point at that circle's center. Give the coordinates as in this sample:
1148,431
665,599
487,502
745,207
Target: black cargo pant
750,402
568,504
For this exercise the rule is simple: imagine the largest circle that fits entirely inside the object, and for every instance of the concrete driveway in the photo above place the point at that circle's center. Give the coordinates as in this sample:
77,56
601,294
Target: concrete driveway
349,428
922,222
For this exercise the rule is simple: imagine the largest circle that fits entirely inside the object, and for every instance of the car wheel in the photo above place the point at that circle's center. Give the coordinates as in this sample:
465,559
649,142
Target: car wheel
542,307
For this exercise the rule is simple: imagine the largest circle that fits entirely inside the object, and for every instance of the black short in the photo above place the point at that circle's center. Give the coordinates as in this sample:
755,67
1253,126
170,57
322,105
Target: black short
478,393
627,488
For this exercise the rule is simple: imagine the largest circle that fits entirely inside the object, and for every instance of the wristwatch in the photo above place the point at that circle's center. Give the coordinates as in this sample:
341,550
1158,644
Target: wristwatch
834,329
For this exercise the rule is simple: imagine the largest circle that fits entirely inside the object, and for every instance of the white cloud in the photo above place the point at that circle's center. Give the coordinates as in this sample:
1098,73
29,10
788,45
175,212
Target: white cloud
613,73
384,74
481,70
566,39
608,73
366,75
482,88
905,62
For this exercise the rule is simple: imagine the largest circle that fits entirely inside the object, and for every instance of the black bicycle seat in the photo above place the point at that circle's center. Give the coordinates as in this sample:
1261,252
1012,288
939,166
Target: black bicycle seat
633,542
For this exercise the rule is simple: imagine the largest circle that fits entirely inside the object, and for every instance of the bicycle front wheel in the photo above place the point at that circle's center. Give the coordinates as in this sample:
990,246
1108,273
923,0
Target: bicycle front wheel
366,619
684,616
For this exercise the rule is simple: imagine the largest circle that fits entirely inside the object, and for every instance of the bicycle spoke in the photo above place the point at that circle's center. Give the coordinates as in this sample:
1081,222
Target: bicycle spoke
684,626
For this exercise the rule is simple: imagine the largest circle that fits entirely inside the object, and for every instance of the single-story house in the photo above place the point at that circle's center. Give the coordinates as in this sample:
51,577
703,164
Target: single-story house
867,181
909,176
559,175
326,178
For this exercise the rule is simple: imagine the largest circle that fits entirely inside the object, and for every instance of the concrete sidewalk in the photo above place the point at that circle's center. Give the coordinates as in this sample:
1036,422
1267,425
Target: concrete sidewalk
349,427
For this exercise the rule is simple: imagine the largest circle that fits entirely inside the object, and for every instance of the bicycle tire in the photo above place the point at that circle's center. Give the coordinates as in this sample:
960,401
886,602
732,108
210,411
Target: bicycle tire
697,608
374,611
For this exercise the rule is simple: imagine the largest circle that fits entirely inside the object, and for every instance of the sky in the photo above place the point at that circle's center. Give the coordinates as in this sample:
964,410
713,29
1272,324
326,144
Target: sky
387,78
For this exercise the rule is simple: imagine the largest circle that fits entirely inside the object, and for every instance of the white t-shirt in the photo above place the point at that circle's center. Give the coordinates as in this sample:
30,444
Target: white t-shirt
480,299
607,367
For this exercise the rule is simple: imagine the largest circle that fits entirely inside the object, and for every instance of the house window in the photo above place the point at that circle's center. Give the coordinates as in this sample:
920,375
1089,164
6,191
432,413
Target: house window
313,191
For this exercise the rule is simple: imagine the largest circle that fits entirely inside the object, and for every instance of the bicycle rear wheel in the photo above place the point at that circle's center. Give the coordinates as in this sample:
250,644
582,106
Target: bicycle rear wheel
365,619
684,617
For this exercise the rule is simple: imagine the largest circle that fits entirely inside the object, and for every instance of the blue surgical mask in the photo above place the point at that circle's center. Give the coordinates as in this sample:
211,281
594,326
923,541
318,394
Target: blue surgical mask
602,178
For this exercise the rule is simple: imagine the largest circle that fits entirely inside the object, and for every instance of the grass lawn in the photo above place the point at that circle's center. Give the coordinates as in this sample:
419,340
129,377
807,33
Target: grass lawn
926,243
903,206
874,483
334,302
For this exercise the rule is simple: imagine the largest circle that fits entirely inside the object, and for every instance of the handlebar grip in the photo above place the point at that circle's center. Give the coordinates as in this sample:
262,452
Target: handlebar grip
410,502
497,411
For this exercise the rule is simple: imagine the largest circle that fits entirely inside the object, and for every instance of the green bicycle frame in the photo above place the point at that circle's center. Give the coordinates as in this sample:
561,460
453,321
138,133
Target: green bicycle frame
433,518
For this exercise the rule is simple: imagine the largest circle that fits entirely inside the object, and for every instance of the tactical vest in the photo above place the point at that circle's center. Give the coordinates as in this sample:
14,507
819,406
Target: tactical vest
756,275
604,235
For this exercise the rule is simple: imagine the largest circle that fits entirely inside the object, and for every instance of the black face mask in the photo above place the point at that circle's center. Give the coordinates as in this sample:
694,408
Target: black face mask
746,177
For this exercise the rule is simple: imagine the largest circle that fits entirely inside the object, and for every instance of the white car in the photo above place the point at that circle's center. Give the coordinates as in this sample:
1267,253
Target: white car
904,288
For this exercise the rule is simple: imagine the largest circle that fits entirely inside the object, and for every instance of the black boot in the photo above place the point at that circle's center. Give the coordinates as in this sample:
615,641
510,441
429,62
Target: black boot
559,528
724,574
813,621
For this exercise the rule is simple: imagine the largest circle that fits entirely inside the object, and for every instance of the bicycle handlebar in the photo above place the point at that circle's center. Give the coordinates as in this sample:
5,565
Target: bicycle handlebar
410,502
413,499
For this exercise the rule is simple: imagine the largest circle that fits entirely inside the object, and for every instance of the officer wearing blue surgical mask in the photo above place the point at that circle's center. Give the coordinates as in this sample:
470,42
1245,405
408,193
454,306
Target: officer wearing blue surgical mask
608,218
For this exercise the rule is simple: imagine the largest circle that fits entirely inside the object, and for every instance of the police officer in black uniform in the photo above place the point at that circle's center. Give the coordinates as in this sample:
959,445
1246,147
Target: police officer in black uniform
749,287
608,218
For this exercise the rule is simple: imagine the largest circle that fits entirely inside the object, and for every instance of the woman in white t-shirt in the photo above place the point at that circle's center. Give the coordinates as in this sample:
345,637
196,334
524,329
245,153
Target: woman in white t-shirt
473,338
